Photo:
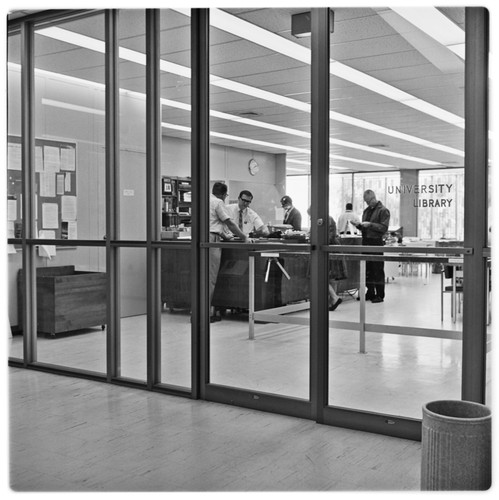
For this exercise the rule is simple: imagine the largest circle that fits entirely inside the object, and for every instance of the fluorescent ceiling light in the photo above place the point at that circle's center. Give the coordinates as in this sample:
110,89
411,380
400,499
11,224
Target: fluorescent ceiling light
257,142
300,133
243,29
435,24
72,107
87,42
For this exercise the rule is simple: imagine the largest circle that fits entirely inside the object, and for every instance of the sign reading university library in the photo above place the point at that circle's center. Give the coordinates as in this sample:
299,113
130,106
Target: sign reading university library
425,189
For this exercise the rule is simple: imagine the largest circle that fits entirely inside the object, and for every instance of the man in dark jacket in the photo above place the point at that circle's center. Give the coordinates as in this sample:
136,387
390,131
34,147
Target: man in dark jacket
292,215
374,225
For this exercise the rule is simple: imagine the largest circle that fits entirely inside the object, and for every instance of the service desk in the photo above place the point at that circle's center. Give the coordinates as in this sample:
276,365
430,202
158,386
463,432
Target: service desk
231,290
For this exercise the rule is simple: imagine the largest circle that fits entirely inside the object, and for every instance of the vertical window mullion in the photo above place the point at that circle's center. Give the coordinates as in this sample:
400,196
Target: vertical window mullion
475,203
200,169
28,177
153,208
112,213
319,211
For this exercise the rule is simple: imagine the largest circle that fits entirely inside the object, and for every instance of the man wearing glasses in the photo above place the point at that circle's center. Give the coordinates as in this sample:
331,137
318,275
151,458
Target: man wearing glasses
246,219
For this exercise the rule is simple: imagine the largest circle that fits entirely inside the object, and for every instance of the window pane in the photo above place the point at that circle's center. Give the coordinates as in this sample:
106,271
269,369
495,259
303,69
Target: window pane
260,131
397,115
72,307
69,128
176,198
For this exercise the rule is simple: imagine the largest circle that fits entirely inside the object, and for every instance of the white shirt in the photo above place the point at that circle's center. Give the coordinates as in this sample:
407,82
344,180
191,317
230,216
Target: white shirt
218,215
251,220
344,222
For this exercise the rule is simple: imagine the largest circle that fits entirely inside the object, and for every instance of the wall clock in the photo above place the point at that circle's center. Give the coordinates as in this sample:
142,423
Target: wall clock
253,167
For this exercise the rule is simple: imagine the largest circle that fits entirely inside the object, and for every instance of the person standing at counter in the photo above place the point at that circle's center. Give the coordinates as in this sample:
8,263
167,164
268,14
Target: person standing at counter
347,220
374,225
219,220
246,218
292,215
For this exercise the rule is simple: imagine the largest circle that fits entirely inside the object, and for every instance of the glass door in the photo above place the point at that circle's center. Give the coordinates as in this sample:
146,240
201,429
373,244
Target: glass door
259,335
397,191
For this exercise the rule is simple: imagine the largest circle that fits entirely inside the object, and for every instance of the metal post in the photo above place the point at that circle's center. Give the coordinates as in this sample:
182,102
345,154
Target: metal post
251,296
362,296
319,314
200,169
112,213
475,203
153,207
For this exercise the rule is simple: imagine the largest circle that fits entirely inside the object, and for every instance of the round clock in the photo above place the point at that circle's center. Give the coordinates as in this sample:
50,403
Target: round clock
253,167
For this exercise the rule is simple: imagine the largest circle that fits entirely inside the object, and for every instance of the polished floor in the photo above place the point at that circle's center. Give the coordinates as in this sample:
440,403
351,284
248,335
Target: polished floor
74,435
396,375
69,434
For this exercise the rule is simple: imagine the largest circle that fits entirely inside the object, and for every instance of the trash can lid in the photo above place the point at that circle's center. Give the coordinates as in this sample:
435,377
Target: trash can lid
457,409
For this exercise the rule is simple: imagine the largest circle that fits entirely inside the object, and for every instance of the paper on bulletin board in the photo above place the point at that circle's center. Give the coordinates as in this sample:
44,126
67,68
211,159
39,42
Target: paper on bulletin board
50,215
68,207
67,182
38,159
14,156
47,184
59,184
12,210
52,159
68,159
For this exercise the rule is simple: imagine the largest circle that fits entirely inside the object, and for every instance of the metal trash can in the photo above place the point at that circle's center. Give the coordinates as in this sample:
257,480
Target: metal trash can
456,446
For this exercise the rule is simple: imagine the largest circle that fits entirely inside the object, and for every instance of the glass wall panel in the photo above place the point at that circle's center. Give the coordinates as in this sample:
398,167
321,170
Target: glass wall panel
260,128
133,312
71,307
176,197
398,111
14,187
69,128
132,140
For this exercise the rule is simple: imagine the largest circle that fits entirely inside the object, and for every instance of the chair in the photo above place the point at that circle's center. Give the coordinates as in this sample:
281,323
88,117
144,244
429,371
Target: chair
455,274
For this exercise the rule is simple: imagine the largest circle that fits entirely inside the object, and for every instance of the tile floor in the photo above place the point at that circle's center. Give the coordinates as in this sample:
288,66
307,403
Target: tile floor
77,435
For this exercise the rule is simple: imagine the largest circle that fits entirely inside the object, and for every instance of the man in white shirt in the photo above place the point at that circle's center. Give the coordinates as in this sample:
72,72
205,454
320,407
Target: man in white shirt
246,219
219,220
347,220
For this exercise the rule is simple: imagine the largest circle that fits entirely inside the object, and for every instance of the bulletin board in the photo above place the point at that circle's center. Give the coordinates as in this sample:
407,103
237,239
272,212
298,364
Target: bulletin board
55,189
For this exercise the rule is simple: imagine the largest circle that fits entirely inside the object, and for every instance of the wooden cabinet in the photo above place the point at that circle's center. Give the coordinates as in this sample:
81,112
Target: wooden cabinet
67,299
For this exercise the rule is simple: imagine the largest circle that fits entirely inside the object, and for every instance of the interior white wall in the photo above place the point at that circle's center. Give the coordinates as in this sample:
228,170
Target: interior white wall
87,130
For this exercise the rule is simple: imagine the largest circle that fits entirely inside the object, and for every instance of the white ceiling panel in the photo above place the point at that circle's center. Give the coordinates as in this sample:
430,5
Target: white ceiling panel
362,115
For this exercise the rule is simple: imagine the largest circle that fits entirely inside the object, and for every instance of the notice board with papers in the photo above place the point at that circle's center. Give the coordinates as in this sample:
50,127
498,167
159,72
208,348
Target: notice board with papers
55,189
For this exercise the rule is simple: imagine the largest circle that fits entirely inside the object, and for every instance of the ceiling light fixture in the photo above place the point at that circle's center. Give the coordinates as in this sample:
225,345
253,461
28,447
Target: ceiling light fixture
272,145
85,42
243,29
436,25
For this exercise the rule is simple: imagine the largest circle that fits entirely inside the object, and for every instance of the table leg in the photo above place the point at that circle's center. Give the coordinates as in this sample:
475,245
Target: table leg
362,296
251,296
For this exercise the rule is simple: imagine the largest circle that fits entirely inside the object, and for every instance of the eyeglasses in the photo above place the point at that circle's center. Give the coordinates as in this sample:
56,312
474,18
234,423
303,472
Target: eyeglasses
245,201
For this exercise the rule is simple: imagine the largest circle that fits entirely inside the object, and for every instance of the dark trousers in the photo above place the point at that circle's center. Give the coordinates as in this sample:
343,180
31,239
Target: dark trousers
375,272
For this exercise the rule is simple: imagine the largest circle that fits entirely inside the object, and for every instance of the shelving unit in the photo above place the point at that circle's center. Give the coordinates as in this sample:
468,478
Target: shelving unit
176,206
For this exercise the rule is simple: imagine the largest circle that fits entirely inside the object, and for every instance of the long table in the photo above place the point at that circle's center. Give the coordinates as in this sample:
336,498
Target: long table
283,314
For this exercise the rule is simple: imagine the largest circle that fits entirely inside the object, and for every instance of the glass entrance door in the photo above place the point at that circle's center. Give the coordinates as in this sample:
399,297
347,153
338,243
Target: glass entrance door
259,336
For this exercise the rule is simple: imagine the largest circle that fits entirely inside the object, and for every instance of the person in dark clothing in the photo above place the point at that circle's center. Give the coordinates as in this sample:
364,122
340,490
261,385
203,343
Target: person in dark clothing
374,225
292,215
